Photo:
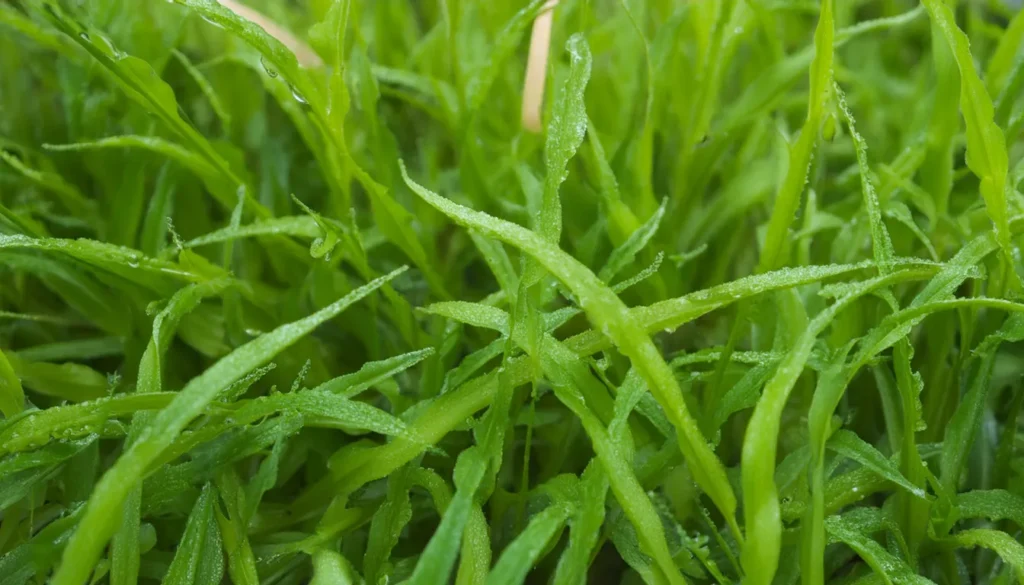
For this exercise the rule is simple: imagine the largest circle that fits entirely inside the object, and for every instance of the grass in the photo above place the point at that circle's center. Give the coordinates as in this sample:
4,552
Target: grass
745,309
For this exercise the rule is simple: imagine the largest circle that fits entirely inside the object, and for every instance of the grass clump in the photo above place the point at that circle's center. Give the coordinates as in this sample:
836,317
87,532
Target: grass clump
746,309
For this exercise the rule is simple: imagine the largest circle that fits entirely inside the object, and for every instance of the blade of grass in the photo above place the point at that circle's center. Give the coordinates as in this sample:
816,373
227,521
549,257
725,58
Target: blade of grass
788,197
986,146
12,396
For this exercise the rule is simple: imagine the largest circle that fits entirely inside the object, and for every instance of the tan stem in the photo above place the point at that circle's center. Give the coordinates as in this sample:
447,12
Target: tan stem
536,68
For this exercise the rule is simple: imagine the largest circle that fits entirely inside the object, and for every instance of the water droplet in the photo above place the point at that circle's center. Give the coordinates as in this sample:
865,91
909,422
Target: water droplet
213,22
298,96
108,47
133,260
85,37
253,332
268,68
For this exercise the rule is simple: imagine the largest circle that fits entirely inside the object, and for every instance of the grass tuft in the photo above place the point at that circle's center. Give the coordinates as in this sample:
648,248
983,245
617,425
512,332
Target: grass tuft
337,292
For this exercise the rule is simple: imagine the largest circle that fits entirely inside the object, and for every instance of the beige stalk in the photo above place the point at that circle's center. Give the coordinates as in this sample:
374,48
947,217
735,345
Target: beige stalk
536,68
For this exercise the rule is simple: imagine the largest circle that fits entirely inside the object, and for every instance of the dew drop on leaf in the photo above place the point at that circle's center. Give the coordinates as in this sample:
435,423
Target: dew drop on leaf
268,68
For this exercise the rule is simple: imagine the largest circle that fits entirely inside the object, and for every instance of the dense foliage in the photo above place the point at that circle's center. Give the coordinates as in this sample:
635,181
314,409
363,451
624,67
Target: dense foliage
340,319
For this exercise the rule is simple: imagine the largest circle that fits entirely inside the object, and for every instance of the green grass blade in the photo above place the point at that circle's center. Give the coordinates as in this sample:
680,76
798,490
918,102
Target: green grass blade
234,528
625,254
991,504
207,89
12,396
881,244
386,528
584,527
70,197
128,264
960,433
125,552
181,155
986,145
330,568
889,568
1006,546
1002,60
788,197
564,135
199,559
518,558
852,446
373,373
436,561
499,263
